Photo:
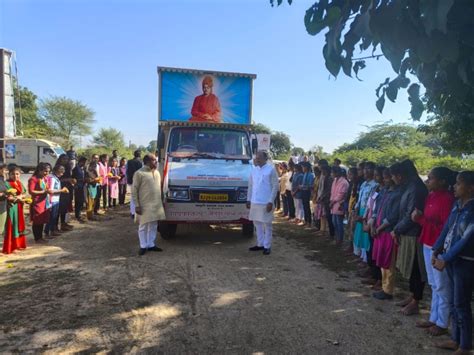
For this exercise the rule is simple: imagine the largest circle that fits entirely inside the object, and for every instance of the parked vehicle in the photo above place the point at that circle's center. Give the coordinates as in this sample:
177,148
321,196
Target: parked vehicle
28,152
205,157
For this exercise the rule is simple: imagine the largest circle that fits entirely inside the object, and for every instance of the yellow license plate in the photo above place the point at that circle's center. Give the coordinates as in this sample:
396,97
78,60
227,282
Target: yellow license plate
214,197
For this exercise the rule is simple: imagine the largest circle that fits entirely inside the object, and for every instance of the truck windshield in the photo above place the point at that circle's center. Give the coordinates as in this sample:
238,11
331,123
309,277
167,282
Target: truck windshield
59,151
209,143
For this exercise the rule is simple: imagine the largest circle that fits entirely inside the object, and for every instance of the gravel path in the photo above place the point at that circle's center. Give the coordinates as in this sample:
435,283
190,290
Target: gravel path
88,291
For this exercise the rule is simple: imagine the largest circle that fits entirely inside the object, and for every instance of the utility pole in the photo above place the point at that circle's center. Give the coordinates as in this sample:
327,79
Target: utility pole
7,105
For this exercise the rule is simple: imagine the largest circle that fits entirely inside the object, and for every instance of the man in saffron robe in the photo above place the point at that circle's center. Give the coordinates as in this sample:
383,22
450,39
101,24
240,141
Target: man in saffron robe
206,107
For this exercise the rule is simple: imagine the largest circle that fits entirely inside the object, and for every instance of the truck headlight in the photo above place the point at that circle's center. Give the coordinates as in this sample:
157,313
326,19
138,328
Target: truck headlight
178,194
242,194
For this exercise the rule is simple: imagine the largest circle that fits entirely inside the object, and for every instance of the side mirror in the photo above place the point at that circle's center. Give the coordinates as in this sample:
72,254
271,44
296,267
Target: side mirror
254,145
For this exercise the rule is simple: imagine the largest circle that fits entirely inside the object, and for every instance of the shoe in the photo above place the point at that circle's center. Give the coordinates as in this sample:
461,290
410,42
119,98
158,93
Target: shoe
50,237
142,251
41,241
256,248
266,251
66,227
381,295
377,286
132,216
55,234
447,345
155,248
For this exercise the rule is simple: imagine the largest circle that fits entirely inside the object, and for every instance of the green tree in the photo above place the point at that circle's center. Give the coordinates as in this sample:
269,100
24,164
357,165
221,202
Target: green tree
152,146
387,143
26,107
110,138
67,118
384,135
297,151
280,145
319,152
430,40
260,128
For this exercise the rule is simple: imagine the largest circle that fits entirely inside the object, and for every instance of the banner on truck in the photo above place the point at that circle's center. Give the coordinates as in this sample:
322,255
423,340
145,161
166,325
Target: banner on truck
194,96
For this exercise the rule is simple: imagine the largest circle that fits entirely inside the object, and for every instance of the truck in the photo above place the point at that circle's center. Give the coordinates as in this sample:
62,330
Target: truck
28,152
204,147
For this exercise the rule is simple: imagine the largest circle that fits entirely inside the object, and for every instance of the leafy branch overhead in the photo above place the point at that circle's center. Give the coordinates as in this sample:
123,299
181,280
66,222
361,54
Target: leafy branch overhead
432,40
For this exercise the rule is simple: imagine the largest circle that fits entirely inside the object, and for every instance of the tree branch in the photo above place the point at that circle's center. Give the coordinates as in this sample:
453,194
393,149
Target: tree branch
373,56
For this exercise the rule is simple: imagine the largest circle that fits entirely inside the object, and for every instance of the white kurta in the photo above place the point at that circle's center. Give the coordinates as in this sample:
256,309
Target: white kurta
263,188
146,193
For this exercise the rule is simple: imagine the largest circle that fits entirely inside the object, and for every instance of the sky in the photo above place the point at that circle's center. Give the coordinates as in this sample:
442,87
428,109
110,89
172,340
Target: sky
105,54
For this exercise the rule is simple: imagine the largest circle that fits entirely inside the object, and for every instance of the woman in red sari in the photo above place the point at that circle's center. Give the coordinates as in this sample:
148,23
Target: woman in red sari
15,226
206,107
39,211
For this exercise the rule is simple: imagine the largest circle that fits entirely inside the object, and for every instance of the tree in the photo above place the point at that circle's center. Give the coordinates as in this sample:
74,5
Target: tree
260,128
152,146
383,135
68,118
388,143
431,40
110,138
318,151
31,125
297,151
280,145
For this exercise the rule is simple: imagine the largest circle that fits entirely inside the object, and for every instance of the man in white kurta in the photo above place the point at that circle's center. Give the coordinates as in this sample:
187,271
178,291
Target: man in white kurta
262,190
146,192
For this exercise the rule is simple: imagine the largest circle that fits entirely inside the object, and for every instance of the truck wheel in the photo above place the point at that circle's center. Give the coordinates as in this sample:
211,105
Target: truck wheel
167,230
247,230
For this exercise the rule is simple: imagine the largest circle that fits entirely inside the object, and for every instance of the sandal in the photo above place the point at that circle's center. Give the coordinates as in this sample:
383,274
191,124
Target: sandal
424,324
436,331
410,309
404,302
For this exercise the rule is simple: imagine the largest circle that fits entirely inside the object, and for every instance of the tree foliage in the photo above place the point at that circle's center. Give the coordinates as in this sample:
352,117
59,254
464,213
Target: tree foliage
152,146
384,135
26,107
433,40
110,138
297,151
387,143
280,145
260,128
67,118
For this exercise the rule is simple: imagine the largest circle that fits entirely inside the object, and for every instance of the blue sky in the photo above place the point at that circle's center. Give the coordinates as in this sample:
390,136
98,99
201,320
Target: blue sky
105,53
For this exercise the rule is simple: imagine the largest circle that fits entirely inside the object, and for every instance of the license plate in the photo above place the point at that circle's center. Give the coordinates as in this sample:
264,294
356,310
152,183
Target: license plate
214,197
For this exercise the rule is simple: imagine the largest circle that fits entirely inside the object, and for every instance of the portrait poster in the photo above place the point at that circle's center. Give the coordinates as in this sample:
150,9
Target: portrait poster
10,151
194,96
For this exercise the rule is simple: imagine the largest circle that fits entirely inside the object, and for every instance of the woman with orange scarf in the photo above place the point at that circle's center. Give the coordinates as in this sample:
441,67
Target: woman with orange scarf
15,226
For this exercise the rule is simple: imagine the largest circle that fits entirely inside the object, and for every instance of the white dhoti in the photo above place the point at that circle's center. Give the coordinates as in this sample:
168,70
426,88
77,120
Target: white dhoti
132,203
262,221
147,234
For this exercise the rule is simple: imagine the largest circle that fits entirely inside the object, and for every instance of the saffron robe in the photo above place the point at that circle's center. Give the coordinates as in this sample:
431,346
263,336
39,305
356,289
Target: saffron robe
206,109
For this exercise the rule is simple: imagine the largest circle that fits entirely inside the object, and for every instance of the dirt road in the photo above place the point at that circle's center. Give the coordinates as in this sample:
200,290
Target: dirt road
88,292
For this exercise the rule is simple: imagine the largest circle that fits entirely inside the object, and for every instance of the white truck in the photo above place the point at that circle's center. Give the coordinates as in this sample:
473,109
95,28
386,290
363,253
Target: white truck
28,152
204,147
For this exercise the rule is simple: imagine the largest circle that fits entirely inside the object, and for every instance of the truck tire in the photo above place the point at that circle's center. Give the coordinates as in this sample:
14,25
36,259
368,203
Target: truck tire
247,230
167,230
